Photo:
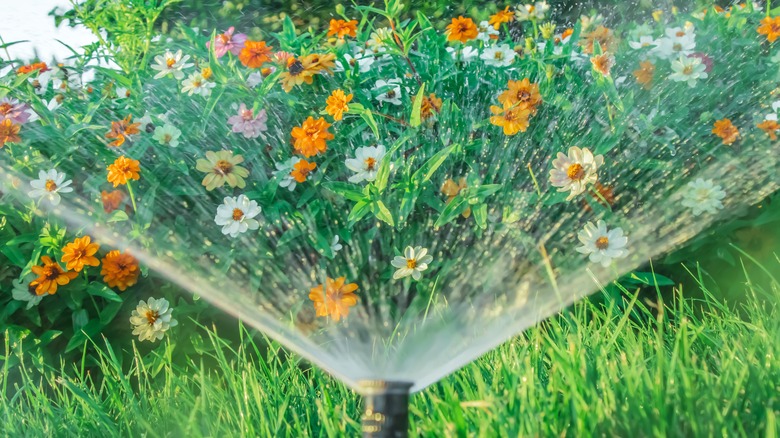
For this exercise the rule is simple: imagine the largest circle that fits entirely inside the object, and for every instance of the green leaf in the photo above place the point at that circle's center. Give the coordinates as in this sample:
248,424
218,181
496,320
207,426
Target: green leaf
427,170
103,291
91,329
480,215
451,211
383,173
369,118
108,313
118,216
346,190
650,279
382,213
358,211
415,119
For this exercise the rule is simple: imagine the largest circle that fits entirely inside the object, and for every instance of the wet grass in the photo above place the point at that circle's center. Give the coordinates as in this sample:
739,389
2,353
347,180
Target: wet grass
641,367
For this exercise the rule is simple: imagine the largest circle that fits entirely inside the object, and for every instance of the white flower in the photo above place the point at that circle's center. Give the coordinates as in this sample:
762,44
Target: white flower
414,261
22,291
574,172
601,244
644,42
703,196
534,11
172,64
236,215
379,39
500,55
486,32
197,84
677,42
335,246
254,79
49,185
775,111
283,171
589,21
390,91
688,70
167,135
366,163
465,55
363,61
152,319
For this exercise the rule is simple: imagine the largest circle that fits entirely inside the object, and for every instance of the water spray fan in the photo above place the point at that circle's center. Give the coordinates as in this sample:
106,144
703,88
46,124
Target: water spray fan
390,203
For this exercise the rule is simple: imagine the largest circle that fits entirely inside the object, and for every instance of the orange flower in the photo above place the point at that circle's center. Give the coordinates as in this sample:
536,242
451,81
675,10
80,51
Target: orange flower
500,17
462,29
302,169
111,200
523,93
50,275
337,104
32,67
603,63
601,36
121,129
9,132
770,127
430,105
726,130
296,74
207,73
80,252
644,75
771,28
123,170
343,28
255,54
451,189
318,63
119,270
513,119
336,300
311,138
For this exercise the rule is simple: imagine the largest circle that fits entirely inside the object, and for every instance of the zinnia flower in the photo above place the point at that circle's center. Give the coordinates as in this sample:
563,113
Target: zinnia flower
236,215
726,130
24,290
601,244
512,118
283,172
123,170
121,130
119,270
302,169
523,93
255,54
50,275
167,135
13,110
500,17
9,132
49,185
644,74
296,73
462,29
79,253
677,42
487,33
414,261
111,200
335,300
246,123
430,106
771,127
603,63
703,196
500,55
152,319
388,91
196,83
172,64
311,137
342,28
366,163
575,171
337,104
770,27
534,11
688,69
222,167
227,42
601,36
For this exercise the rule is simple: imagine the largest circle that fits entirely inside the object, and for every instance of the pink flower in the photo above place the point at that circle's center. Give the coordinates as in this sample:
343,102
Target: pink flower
227,42
247,123
13,110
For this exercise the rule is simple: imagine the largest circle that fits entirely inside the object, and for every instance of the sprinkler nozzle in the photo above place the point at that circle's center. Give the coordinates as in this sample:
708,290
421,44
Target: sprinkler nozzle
386,412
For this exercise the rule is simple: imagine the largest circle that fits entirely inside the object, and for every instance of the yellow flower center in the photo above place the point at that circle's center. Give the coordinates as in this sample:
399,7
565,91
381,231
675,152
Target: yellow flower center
602,242
223,167
169,62
391,94
677,47
411,263
575,172
167,138
50,185
151,316
5,108
197,83
498,55
688,70
680,33
237,214
370,163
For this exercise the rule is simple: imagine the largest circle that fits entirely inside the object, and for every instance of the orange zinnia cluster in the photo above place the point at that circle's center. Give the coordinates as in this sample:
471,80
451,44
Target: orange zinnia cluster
337,103
121,129
122,170
726,130
343,28
119,270
40,66
50,275
255,54
80,253
771,28
603,63
335,300
430,106
311,137
302,169
770,127
9,132
519,102
602,36
501,17
111,200
644,74
298,71
462,29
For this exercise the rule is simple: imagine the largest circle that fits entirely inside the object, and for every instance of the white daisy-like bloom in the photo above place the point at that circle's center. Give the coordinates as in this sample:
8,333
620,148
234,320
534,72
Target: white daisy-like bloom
534,11
22,291
283,170
122,93
171,64
775,111
366,163
644,42
167,135
391,91
677,42
254,79
414,262
236,215
151,319
197,84
379,39
703,195
49,185
500,55
362,60
601,244
487,32
688,69
465,55
575,171
335,246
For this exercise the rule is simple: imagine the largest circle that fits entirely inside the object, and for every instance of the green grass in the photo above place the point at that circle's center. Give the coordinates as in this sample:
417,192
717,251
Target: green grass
694,368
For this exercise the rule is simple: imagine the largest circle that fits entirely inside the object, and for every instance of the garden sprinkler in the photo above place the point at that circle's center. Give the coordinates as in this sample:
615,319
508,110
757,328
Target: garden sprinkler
386,413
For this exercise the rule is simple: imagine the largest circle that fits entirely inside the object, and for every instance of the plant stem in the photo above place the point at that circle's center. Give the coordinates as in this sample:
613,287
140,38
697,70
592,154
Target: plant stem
132,196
